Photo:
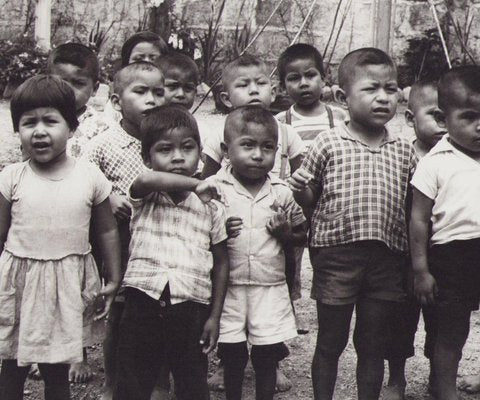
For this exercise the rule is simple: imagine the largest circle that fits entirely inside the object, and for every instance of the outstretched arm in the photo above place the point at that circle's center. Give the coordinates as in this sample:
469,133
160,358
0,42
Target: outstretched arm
5,218
424,284
303,192
106,233
220,274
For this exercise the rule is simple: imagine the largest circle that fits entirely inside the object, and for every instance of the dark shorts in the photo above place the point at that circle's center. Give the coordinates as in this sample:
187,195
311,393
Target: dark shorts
456,269
342,274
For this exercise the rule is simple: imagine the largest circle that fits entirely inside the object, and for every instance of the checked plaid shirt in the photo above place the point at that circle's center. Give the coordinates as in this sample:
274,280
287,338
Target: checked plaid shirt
362,190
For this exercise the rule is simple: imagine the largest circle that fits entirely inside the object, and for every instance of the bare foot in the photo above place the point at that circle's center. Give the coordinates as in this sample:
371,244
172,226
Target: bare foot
34,372
283,383
216,381
159,393
470,384
80,372
394,392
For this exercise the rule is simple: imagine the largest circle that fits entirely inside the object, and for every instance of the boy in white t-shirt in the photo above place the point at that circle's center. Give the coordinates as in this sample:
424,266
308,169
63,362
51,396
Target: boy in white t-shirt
446,192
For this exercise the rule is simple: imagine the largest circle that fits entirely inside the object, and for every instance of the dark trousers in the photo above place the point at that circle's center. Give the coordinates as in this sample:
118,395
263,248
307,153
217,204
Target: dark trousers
155,332
55,376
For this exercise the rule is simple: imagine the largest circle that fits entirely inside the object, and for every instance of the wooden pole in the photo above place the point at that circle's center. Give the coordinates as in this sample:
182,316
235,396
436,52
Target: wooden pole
382,24
43,16
440,33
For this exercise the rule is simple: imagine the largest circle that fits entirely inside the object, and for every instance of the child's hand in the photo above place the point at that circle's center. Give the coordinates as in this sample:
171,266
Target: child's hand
425,288
121,207
105,299
207,191
209,336
234,226
299,180
279,226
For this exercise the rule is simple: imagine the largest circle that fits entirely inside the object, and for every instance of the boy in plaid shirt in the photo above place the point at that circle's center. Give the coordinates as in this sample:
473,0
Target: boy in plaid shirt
356,178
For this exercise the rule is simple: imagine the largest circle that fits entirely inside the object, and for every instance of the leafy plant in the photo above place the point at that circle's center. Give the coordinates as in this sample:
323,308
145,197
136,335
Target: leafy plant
97,36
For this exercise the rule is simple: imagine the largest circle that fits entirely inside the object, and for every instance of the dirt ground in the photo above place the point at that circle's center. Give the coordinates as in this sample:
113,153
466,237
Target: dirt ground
297,365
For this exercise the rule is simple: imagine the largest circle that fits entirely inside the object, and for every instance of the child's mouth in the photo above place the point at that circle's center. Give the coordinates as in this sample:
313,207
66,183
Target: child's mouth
381,110
40,145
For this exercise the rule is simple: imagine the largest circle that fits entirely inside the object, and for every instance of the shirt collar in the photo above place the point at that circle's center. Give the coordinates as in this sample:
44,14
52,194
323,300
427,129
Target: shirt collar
225,175
345,134
442,146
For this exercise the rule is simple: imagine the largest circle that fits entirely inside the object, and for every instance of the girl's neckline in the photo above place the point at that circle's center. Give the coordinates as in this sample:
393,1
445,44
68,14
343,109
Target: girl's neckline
51,179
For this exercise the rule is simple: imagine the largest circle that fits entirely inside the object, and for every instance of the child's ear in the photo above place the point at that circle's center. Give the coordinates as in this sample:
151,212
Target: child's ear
340,97
409,118
225,99
116,102
224,148
440,118
273,93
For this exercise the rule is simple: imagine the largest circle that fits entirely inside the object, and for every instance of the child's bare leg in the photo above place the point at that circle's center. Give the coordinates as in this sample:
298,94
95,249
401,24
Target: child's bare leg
370,339
56,381
161,390
265,363
282,383
396,381
34,372
80,372
12,380
234,357
332,337
470,384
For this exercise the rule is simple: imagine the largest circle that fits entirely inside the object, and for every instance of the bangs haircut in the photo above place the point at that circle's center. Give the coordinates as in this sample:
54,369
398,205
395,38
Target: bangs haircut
130,72
299,51
246,60
44,91
75,54
161,121
467,77
140,37
417,91
361,58
237,121
179,61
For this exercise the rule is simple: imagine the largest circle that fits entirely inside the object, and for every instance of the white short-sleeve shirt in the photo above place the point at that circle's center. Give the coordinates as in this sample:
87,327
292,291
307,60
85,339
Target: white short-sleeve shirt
452,180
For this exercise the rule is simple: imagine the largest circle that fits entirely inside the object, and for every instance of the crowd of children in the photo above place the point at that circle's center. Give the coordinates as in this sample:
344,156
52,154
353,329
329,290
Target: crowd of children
110,214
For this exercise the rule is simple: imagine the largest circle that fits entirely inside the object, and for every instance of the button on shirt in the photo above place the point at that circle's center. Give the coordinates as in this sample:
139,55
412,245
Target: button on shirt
118,155
256,257
452,180
362,190
171,243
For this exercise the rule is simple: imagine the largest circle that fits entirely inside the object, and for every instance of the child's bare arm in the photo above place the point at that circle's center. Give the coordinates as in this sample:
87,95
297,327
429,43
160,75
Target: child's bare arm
281,228
295,163
5,218
210,167
303,192
424,283
106,233
220,274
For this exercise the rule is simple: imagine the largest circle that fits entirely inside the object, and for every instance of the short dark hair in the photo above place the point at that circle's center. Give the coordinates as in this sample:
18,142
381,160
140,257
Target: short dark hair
246,60
139,37
128,73
467,76
44,91
359,58
76,54
175,59
299,51
161,121
418,89
237,120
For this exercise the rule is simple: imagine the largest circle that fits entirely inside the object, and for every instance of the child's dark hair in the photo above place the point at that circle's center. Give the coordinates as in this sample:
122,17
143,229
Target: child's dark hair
44,91
299,51
417,90
175,59
246,60
455,83
237,121
127,74
361,58
139,37
76,54
161,121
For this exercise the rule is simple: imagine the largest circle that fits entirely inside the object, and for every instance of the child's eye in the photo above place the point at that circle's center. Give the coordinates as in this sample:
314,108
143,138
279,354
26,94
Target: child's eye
160,92
172,86
189,89
262,82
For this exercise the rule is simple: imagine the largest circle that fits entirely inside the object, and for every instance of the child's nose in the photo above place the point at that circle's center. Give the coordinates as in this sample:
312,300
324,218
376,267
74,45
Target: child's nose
253,88
149,97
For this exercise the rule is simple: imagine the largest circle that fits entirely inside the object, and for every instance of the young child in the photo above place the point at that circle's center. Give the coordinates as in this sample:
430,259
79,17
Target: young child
301,73
77,65
356,178
138,88
246,81
446,263
420,115
181,78
262,219
48,277
141,46
177,273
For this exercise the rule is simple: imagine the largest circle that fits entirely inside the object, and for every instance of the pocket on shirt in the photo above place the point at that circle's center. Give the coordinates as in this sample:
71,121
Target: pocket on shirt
7,308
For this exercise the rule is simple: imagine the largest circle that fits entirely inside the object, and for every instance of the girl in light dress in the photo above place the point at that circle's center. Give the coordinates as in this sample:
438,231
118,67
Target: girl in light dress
49,283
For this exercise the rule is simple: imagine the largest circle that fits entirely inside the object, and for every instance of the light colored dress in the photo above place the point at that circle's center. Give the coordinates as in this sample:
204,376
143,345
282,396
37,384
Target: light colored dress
48,278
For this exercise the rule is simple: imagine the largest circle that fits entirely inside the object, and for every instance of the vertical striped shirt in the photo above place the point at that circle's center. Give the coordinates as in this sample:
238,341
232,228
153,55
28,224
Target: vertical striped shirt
362,190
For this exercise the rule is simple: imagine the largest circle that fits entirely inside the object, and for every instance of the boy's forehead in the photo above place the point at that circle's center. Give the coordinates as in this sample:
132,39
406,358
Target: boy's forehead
423,97
243,71
67,69
460,96
179,74
238,128
376,72
152,77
